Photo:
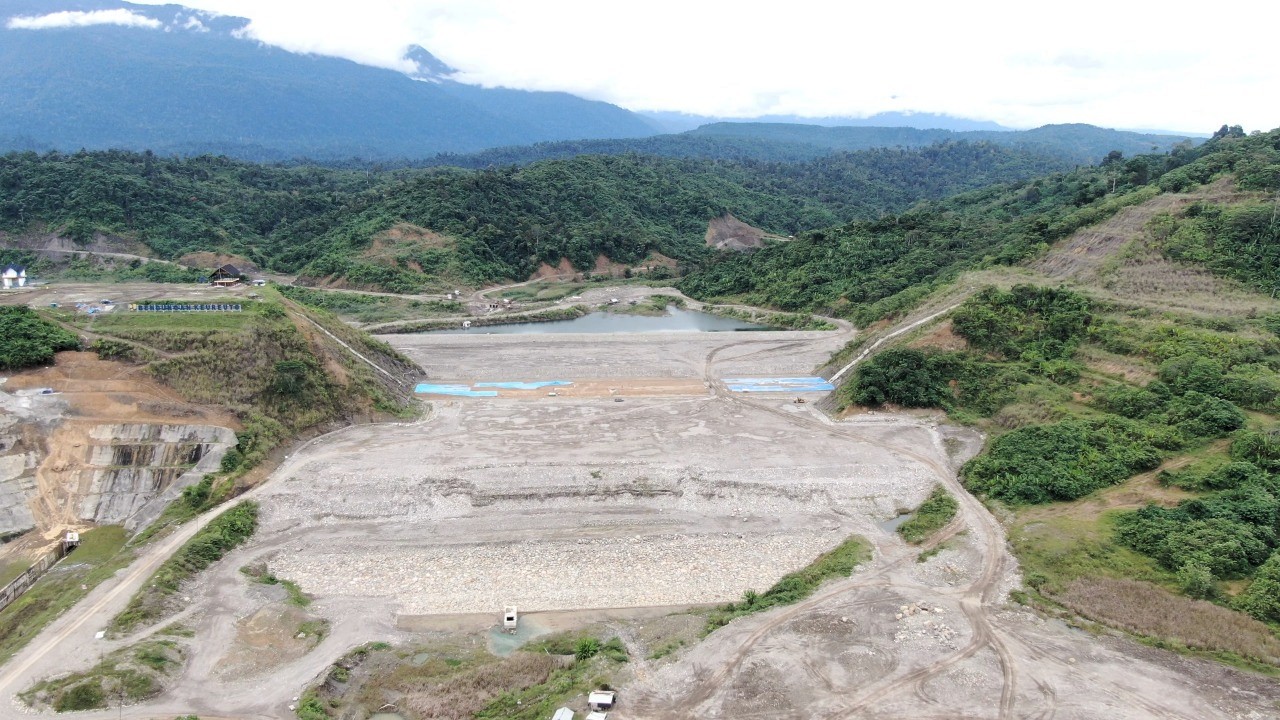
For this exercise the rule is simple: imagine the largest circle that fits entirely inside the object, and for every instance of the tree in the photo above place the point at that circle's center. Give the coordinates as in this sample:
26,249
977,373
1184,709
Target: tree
1197,582
902,376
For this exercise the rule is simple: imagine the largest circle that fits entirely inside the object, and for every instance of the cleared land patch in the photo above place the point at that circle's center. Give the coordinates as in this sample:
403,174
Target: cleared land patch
580,502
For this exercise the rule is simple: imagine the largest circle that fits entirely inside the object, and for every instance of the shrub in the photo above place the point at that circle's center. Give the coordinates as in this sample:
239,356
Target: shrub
1259,448
311,708
1192,373
932,515
1062,461
1196,581
1262,598
1046,323
195,496
30,340
1131,402
1199,415
587,648
901,376
1222,547
85,696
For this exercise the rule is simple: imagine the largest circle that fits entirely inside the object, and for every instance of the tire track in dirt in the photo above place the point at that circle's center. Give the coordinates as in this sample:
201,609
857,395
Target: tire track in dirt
978,595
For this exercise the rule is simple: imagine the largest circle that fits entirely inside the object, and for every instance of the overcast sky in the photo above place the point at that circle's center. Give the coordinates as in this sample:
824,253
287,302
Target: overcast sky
1118,63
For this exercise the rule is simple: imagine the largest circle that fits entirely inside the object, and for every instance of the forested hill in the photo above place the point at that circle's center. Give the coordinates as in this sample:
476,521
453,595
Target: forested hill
176,79
789,142
469,226
1084,144
869,268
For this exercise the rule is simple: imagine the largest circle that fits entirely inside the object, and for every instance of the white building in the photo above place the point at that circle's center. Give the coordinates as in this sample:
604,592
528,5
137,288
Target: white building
14,276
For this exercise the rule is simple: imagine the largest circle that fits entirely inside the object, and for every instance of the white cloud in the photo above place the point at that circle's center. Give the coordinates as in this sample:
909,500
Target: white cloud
1117,64
69,19
193,23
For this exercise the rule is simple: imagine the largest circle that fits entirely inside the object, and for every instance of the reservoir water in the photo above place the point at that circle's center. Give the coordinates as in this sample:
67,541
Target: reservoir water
676,320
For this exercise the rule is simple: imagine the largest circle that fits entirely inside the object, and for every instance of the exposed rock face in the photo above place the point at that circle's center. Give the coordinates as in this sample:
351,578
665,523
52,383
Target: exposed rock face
17,484
20,454
136,464
103,473
88,441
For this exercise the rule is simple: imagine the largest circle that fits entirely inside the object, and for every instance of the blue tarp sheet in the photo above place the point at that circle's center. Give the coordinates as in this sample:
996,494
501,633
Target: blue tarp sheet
523,385
790,385
459,390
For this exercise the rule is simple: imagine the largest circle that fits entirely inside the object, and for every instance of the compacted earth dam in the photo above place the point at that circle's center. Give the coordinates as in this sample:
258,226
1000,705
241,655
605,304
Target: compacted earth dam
566,472
624,478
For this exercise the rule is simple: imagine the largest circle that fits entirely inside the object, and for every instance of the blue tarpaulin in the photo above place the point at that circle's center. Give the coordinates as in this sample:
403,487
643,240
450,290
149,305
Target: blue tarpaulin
523,385
459,390
790,385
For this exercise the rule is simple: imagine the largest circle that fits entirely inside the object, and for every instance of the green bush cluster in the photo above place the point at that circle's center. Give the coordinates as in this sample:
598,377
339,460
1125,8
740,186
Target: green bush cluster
1062,461
1024,322
933,514
29,339
1262,598
1030,331
1226,534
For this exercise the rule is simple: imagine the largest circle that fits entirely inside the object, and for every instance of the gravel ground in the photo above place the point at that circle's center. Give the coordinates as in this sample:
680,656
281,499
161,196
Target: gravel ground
559,574
581,503
578,356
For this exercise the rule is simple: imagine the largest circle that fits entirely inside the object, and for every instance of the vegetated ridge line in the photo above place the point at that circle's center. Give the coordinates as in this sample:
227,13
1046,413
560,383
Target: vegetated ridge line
835,379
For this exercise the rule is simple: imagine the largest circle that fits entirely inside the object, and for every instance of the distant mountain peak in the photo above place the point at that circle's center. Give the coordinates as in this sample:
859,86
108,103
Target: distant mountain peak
428,67
115,74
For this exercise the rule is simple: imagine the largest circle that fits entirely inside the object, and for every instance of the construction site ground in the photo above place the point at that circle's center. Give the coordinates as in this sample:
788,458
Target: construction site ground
583,510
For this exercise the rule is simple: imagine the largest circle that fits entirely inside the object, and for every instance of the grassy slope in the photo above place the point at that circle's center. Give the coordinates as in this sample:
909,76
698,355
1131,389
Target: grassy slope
100,555
1147,299
270,365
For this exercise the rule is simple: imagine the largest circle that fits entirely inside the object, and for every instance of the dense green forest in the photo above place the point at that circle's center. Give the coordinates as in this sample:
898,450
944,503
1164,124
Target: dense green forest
792,142
500,223
869,268
1082,144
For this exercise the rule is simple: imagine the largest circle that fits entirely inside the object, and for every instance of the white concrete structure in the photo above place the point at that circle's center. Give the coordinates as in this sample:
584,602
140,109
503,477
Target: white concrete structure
14,276
601,700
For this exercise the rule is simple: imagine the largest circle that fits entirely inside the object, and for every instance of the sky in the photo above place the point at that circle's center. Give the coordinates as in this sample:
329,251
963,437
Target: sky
1120,63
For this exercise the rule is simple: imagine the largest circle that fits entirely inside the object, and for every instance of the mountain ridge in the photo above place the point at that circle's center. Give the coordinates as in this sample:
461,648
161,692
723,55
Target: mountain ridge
183,78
